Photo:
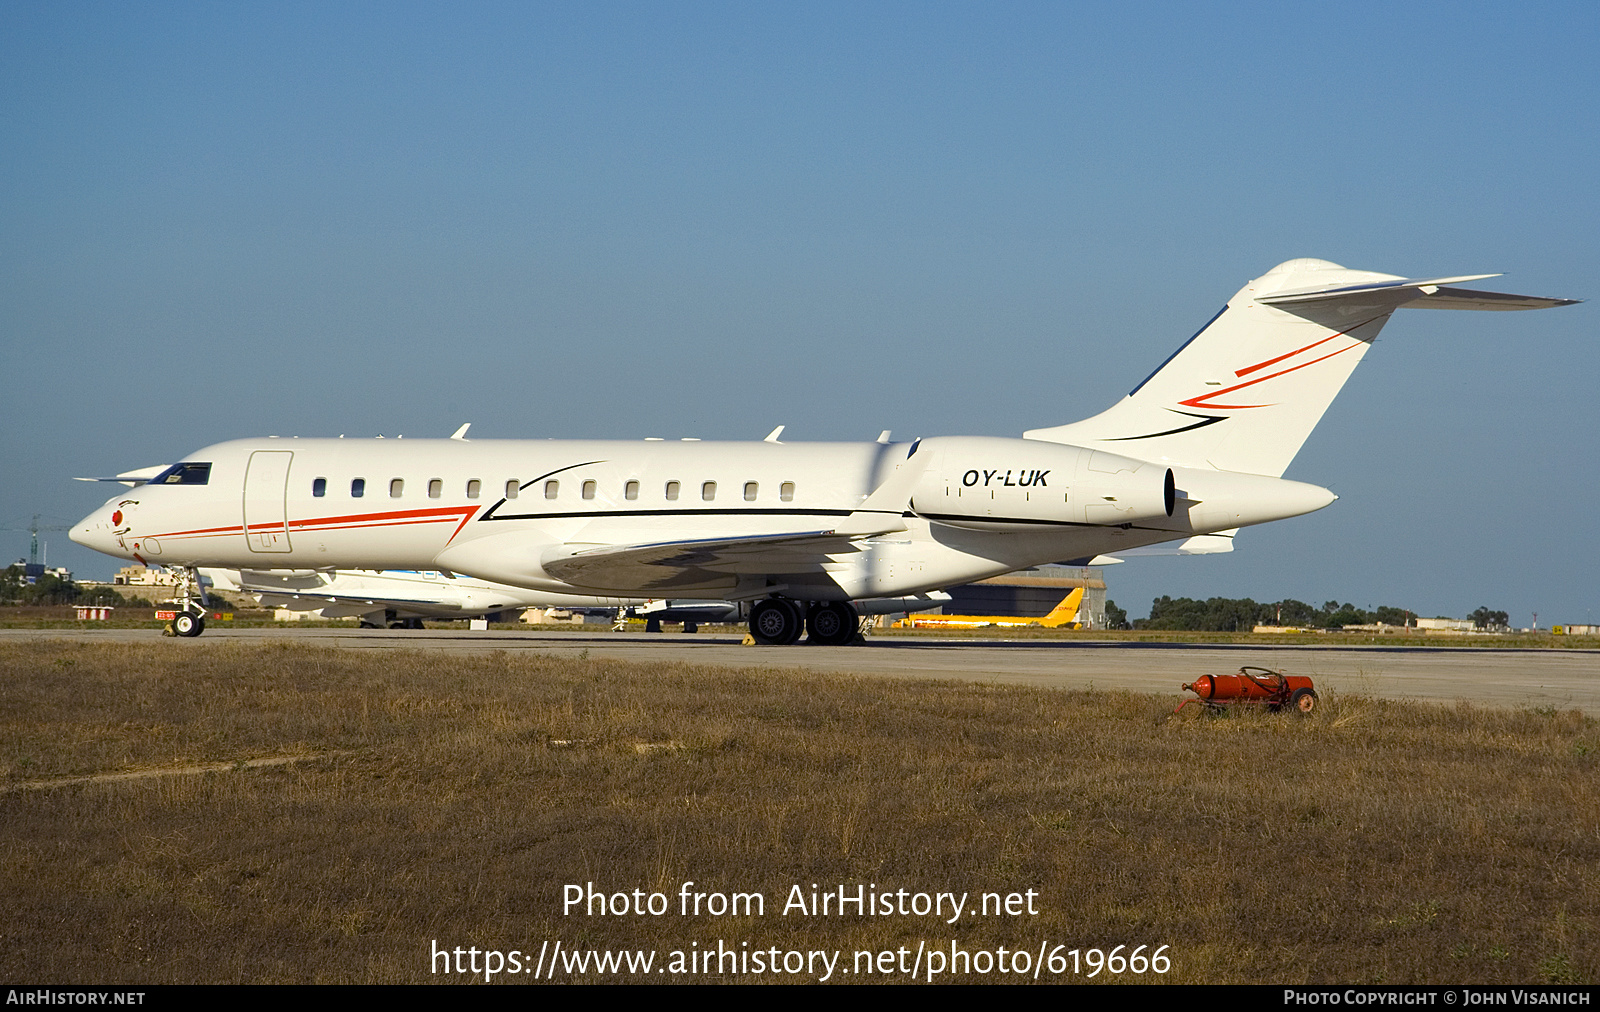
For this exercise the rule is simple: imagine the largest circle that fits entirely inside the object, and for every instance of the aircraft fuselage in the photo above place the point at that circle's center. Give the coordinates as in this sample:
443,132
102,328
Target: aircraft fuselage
529,513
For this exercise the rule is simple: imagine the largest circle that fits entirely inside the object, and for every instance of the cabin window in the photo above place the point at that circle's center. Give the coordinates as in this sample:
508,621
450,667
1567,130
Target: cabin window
672,490
512,488
474,486
588,490
630,490
397,487
552,488
786,491
435,488
358,487
319,487
750,488
708,491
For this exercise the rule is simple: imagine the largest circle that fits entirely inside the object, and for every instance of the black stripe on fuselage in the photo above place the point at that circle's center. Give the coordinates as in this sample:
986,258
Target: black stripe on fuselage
734,512
490,514
936,517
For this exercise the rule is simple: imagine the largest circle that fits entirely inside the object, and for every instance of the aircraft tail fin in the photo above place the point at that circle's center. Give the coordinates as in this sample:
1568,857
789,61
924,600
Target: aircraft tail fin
1244,393
1065,613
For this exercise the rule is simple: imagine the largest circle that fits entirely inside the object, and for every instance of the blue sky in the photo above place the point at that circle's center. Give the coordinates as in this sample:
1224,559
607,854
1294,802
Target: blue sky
621,220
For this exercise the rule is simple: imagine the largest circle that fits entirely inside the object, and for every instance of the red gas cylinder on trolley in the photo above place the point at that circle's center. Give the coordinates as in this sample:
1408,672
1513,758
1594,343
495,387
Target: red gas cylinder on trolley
1263,686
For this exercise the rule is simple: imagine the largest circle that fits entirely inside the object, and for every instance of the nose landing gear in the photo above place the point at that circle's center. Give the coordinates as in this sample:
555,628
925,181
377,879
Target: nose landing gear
192,603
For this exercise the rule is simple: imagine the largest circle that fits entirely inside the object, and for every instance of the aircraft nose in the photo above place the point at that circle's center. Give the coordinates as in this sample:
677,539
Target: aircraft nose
94,531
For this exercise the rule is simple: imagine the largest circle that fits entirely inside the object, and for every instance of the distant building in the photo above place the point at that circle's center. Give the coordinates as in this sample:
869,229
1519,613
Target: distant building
1446,625
144,576
32,571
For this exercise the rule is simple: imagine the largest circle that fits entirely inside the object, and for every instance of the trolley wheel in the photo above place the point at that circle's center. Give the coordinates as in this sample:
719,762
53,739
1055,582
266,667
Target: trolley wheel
1303,701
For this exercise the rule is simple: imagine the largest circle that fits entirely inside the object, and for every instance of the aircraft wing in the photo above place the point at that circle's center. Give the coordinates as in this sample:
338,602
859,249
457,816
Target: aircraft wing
701,561
138,476
687,562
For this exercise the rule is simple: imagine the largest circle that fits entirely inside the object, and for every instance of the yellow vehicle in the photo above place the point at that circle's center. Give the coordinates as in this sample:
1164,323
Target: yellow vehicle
1063,614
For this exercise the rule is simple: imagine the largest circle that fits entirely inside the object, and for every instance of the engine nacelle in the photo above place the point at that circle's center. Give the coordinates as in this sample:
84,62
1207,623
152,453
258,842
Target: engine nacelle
983,482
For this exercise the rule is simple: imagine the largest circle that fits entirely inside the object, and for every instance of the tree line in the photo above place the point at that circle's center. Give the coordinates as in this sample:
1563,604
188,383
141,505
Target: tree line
50,589
1223,614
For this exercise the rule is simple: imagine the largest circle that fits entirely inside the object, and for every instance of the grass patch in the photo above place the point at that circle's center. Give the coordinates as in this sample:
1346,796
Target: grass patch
1375,841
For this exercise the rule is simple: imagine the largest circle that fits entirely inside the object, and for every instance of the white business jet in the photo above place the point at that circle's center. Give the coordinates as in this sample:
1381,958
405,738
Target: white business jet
797,531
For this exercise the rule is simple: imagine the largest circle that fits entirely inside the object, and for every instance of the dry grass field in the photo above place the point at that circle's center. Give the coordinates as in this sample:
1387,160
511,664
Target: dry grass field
452,799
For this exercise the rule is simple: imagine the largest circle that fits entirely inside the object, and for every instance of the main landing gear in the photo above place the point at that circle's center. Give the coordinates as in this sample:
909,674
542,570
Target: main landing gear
780,621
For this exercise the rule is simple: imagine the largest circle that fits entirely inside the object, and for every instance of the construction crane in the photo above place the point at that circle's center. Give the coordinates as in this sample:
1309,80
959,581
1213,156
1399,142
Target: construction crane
33,530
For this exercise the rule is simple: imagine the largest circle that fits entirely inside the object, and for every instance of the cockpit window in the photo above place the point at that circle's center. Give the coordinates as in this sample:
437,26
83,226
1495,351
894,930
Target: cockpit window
184,474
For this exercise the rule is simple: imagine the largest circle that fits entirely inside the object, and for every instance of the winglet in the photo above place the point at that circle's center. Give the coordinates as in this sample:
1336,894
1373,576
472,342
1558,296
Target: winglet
882,511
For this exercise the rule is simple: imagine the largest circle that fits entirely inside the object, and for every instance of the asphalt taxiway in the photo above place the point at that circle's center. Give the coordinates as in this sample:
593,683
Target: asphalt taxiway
1532,678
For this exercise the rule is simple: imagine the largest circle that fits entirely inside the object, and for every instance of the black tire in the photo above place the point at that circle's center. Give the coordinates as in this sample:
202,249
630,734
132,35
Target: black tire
831,624
187,623
775,621
1303,701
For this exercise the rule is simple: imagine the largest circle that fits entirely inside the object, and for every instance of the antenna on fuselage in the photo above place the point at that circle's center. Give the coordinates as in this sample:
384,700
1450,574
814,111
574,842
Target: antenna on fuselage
461,433
772,437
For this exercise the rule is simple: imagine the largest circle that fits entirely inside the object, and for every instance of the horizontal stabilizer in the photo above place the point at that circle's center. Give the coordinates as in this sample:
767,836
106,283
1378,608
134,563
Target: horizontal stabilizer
1418,293
1322,293
1466,298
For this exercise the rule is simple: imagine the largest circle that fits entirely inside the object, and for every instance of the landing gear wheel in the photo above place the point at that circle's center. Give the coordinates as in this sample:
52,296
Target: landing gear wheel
187,623
775,621
831,624
1303,701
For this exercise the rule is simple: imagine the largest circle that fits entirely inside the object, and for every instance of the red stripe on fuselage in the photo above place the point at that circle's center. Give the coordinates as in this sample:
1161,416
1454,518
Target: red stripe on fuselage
350,522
